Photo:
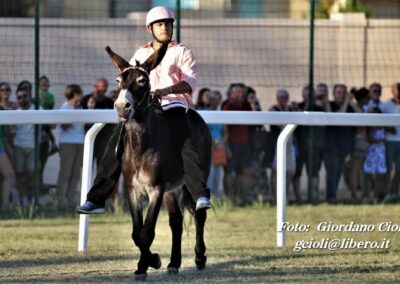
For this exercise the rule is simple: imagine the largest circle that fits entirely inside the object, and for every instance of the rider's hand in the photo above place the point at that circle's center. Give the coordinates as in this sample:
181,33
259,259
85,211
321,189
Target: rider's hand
160,93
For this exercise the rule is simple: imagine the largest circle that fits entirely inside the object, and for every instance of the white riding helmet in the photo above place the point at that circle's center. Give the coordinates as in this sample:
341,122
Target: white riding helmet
159,13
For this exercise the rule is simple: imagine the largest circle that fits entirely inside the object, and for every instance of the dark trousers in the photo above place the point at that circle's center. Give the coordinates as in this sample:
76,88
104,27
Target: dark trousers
180,129
334,164
110,166
108,170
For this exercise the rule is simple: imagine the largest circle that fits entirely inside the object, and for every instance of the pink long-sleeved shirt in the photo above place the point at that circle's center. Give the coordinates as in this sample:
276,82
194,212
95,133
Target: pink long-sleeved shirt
177,65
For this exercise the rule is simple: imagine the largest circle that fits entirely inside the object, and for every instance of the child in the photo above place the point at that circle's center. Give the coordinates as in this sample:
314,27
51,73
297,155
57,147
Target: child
375,161
71,150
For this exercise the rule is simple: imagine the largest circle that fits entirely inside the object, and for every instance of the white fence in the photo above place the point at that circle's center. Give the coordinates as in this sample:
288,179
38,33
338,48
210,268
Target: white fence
290,119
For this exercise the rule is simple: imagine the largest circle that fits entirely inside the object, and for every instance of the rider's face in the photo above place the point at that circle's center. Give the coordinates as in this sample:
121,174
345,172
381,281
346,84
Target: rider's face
162,31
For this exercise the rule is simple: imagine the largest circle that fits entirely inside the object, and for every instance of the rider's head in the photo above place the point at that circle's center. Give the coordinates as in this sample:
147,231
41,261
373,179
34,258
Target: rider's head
159,23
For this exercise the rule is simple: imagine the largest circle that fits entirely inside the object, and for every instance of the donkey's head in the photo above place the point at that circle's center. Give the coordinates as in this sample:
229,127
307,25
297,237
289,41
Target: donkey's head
133,82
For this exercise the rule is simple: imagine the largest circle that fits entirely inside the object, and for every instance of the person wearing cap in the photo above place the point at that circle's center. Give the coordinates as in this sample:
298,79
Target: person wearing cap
173,81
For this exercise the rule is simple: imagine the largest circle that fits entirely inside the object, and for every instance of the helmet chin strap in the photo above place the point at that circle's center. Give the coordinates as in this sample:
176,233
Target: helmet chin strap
162,42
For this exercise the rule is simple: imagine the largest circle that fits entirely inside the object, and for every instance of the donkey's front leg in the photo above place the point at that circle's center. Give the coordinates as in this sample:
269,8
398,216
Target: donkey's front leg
136,208
147,233
176,223
200,217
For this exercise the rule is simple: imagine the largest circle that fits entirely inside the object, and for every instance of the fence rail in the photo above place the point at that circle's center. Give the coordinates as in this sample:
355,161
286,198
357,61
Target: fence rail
291,119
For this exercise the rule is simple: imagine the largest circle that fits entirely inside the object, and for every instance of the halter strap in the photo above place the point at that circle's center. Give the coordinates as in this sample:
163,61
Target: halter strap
137,68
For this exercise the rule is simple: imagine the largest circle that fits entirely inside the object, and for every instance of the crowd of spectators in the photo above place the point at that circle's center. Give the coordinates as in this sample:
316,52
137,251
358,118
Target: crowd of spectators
243,169
17,143
363,156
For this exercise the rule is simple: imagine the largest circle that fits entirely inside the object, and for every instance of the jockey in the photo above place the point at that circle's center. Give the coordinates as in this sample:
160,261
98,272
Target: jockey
173,81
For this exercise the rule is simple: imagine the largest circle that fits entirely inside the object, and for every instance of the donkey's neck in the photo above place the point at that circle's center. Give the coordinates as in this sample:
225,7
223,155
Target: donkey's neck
135,135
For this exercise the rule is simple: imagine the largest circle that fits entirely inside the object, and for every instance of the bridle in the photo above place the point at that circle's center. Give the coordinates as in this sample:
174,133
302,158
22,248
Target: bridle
132,109
135,68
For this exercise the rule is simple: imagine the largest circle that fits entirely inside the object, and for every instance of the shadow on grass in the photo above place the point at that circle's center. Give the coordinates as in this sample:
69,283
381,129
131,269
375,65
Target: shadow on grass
249,269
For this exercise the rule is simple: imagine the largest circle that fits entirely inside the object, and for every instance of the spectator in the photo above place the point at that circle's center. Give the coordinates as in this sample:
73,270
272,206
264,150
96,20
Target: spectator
322,100
26,85
301,136
6,168
338,141
375,92
219,136
238,173
228,94
393,147
282,99
6,104
48,143
113,95
252,99
98,100
202,99
46,98
375,161
360,147
6,172
258,143
24,142
71,150
5,93
99,96
322,97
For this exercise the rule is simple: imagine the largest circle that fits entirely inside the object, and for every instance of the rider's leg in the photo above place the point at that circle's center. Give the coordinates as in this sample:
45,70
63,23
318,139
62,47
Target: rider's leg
107,174
194,175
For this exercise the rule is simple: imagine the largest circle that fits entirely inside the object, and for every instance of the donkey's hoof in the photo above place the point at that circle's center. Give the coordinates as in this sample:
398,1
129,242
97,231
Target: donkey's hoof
172,271
201,263
155,261
140,277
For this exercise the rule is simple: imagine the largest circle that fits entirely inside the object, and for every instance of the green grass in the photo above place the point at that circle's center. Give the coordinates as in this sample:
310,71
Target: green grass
241,248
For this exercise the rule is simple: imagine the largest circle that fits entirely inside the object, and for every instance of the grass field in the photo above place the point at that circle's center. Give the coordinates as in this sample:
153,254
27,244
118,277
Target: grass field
241,245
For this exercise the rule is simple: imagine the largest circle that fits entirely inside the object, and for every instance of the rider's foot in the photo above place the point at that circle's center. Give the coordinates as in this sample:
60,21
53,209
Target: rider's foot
203,203
89,208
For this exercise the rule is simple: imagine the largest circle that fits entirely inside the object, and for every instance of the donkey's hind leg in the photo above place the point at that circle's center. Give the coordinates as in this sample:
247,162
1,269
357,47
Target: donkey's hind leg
200,217
171,203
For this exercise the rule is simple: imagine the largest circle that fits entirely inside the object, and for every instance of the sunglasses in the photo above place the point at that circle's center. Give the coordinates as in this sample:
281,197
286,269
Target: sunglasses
5,90
22,97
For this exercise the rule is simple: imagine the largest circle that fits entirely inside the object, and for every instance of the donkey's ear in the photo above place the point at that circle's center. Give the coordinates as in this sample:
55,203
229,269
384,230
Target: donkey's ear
155,58
118,61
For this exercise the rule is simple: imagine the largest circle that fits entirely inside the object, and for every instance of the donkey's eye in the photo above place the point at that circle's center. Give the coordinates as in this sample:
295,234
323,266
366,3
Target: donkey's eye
141,82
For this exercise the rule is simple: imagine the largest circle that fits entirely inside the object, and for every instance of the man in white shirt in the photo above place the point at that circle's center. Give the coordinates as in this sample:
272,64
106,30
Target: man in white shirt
24,143
392,146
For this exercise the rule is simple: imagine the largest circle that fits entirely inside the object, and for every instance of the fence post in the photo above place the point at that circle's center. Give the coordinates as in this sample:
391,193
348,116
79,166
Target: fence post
87,168
37,177
178,21
281,182
311,95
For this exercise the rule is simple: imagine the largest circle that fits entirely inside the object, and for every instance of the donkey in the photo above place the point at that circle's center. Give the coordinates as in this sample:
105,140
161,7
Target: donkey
152,164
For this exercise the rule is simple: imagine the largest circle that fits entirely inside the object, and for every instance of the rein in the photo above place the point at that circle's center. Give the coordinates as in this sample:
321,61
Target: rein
142,104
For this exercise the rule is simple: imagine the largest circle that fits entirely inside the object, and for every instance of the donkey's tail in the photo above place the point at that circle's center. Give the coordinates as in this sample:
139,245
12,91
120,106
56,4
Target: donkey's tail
186,201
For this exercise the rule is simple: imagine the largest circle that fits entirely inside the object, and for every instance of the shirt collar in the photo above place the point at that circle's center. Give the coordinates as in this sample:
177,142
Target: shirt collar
150,44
